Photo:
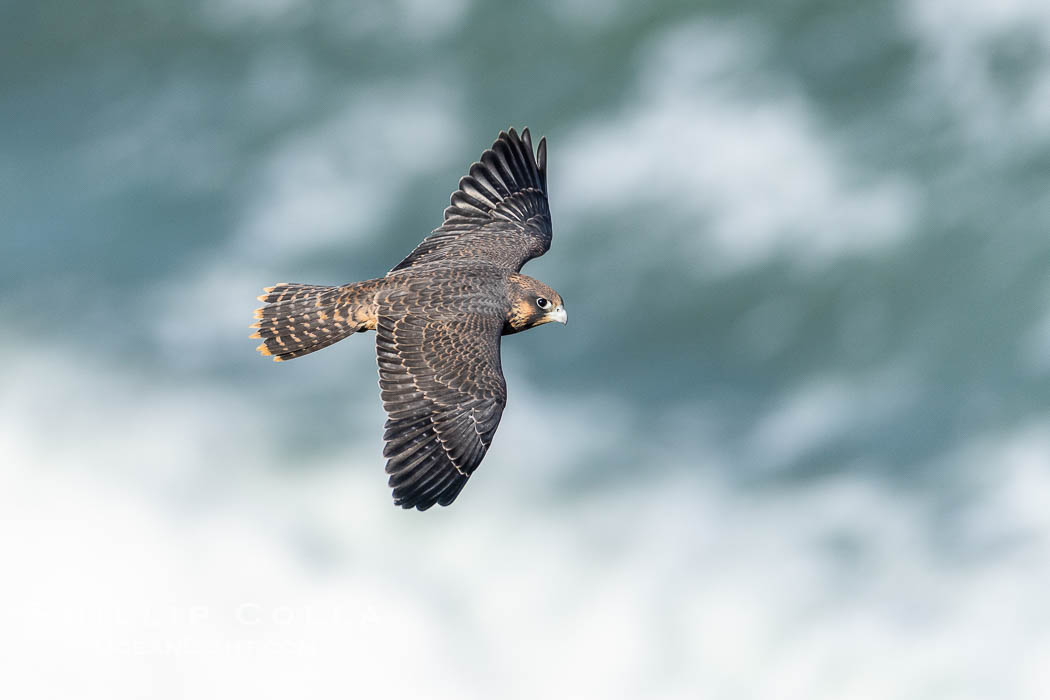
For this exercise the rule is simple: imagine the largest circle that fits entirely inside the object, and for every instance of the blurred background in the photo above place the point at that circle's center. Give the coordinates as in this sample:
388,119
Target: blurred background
793,443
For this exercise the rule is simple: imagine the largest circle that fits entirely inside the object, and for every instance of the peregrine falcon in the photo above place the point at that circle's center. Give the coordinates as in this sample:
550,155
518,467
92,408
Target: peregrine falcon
439,316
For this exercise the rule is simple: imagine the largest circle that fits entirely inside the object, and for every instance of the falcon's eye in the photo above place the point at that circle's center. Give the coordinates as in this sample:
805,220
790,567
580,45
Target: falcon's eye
542,303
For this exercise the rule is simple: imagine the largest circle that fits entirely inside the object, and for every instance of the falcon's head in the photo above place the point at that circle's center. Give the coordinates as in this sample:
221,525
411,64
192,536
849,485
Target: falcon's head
532,303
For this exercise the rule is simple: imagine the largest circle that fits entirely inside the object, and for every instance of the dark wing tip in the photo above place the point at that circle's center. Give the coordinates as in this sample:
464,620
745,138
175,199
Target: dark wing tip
508,185
536,157
541,161
441,491
509,166
533,160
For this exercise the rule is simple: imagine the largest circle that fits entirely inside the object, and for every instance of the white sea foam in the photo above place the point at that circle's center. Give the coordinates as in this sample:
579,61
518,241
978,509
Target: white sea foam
739,172
158,554
826,409
999,108
339,180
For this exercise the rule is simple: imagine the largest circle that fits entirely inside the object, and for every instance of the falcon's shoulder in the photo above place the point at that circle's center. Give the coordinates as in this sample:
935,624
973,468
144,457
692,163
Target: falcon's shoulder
444,393
500,212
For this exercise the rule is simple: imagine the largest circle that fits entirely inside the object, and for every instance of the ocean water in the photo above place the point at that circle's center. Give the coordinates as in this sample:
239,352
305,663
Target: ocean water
793,443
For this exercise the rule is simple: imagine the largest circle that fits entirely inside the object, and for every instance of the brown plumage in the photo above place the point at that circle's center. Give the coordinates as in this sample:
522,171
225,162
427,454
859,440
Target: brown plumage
439,316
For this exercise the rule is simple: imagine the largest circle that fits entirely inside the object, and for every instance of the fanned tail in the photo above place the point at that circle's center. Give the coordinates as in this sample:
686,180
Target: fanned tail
301,318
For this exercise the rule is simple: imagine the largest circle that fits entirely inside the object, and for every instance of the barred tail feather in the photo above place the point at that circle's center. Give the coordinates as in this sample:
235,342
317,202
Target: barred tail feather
301,318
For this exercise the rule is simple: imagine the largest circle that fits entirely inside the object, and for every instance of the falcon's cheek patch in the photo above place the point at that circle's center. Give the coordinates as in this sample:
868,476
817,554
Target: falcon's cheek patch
524,315
523,310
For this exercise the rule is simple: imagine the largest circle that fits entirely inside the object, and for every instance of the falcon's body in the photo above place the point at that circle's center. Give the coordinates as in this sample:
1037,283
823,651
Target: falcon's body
439,316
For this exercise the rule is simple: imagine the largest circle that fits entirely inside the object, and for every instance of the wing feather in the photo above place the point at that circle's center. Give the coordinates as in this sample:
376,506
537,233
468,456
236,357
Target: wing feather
500,212
444,393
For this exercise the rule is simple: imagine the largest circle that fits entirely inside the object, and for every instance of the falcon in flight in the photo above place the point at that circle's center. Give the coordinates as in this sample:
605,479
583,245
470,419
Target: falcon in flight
439,316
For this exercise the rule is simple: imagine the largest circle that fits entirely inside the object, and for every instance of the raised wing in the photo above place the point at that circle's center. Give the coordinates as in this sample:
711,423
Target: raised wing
499,213
444,393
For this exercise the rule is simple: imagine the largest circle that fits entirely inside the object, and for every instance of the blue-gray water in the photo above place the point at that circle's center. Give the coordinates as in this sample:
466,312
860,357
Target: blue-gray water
793,443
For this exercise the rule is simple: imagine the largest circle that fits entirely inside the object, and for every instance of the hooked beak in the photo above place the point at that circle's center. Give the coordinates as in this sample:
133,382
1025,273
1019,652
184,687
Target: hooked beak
559,315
